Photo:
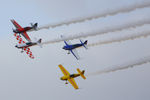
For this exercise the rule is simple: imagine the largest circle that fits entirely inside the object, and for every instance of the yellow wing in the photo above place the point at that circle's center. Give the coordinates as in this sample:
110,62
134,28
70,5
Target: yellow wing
64,71
73,83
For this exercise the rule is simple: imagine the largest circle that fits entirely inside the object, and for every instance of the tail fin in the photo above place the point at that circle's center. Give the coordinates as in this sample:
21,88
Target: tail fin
39,43
84,44
81,73
34,26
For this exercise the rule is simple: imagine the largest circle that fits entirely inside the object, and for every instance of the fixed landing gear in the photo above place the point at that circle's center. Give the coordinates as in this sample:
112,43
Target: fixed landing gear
68,52
22,51
66,82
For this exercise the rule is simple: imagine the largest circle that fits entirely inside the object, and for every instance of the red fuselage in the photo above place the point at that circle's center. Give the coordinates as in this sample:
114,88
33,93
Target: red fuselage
20,30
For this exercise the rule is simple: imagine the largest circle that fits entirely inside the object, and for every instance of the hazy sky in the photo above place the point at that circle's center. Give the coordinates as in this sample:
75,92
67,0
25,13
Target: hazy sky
22,78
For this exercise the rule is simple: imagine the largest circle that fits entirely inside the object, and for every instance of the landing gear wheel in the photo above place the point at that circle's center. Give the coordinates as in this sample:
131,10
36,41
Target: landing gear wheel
66,82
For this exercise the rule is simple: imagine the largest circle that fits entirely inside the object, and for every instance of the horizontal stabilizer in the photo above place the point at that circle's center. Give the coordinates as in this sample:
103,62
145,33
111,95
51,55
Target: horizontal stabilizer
81,73
84,44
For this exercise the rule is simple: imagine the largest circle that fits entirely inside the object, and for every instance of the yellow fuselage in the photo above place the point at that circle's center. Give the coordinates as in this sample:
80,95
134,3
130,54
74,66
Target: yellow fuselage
66,77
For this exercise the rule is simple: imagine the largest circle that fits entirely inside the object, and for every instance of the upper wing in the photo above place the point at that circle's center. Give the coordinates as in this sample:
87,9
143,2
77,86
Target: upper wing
27,50
67,42
26,36
74,52
15,24
73,83
64,71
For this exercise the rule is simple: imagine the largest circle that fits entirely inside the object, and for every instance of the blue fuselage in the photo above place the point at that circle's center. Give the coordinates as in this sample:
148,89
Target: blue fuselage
70,47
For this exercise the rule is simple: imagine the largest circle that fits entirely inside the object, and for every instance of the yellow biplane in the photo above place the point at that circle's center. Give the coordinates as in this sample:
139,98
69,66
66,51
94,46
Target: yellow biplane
70,77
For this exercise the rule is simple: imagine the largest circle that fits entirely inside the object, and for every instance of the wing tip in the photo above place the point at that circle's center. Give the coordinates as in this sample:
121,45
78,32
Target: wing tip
12,20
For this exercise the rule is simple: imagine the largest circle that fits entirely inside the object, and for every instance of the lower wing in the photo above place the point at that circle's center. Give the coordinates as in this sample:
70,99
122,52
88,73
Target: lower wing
26,36
27,50
74,52
73,83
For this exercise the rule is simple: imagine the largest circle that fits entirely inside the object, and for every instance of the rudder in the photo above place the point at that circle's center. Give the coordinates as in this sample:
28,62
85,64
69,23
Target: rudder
39,43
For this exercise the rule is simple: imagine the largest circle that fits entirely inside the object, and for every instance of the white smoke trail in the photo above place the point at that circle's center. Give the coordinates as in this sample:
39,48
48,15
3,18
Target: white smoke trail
122,66
120,39
110,12
105,30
